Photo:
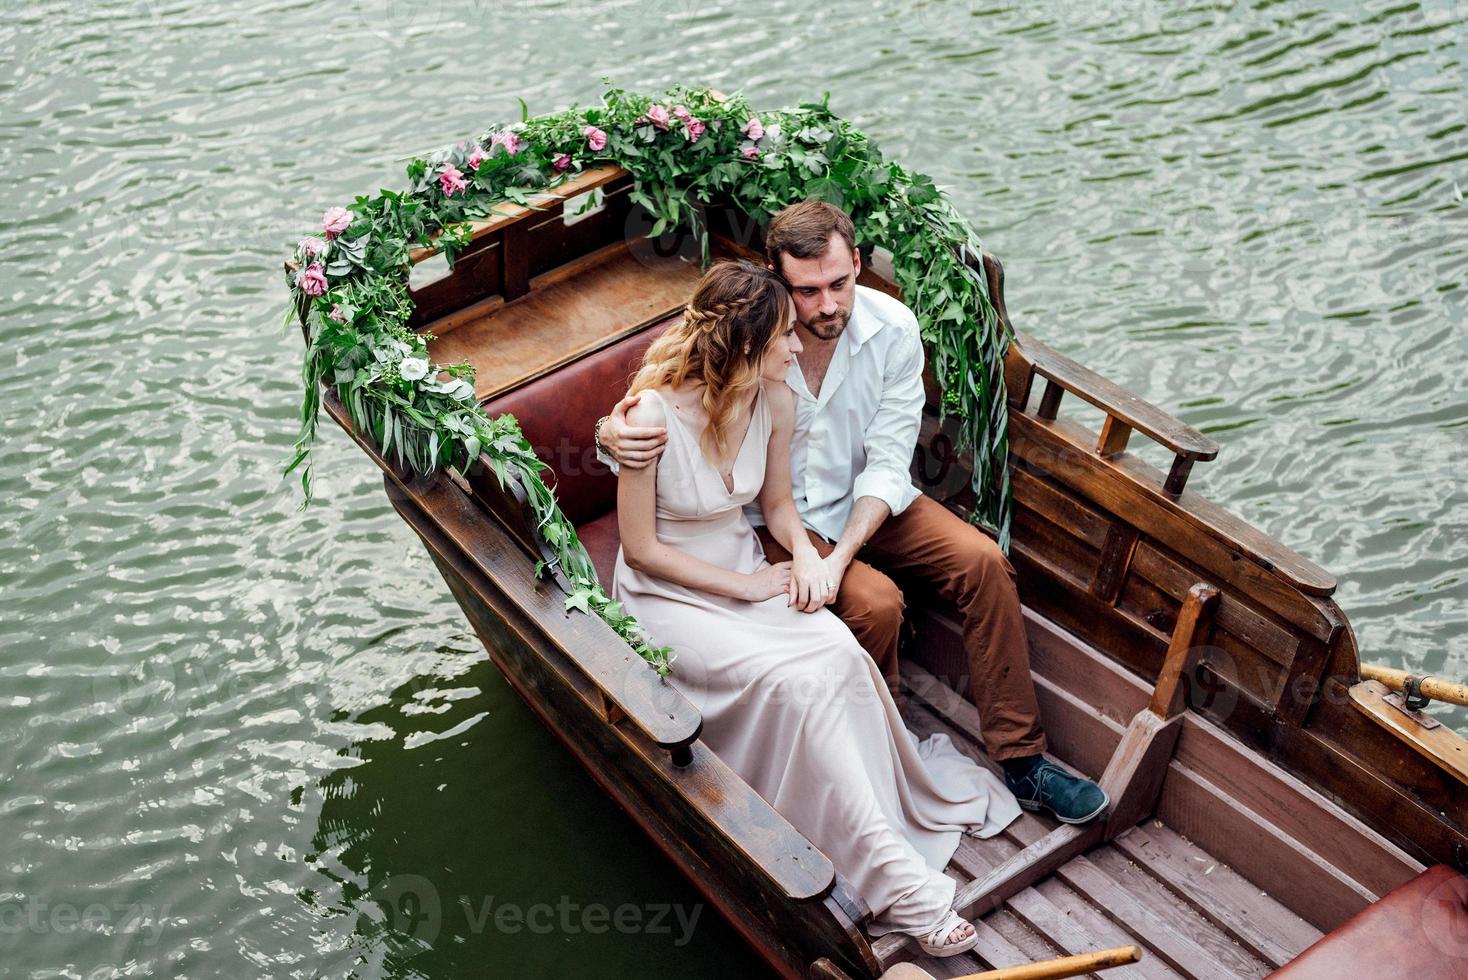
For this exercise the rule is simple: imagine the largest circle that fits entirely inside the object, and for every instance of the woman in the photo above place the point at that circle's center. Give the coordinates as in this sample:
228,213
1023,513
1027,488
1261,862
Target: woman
790,700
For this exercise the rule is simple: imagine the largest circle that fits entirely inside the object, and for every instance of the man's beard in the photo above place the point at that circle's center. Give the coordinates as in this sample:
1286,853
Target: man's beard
830,328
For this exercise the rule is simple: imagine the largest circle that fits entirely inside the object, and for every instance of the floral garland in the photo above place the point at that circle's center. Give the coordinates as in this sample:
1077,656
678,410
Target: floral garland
688,147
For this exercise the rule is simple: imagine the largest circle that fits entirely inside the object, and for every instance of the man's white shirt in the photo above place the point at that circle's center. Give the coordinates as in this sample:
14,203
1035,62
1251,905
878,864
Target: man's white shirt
857,438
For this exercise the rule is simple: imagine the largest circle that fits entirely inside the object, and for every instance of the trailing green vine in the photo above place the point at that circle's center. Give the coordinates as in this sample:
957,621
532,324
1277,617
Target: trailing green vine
684,149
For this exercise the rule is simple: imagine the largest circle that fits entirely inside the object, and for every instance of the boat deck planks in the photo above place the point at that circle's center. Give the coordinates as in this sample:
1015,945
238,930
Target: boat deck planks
1192,915
1226,898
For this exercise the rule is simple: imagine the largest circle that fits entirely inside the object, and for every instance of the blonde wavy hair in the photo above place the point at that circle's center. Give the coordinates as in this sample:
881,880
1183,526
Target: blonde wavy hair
736,305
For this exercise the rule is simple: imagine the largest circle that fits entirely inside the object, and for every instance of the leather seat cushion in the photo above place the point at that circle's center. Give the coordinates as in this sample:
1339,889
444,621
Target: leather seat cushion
1418,930
557,413
602,539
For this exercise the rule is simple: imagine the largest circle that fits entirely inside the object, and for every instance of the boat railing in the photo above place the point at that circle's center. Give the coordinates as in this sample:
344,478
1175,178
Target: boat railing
1125,412
625,688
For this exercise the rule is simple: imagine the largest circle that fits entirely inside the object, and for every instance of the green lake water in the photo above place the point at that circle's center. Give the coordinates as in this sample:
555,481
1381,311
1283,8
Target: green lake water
244,740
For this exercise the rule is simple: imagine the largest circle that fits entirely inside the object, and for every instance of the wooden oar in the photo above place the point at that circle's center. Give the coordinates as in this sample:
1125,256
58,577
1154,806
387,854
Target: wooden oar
1431,687
1066,966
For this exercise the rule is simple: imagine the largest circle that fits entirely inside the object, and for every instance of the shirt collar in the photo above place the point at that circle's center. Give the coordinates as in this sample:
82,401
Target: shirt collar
864,322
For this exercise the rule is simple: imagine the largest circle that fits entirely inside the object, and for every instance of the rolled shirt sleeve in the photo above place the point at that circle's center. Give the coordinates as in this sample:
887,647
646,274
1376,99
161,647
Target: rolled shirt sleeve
891,436
606,460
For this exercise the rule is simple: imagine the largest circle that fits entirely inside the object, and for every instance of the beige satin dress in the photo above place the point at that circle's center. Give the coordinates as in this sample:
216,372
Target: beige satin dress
792,702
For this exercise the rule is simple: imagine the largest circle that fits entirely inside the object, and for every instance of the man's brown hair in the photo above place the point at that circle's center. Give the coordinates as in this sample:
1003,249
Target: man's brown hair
804,230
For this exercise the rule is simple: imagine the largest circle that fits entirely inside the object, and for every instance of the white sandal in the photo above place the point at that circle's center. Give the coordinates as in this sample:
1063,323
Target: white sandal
934,943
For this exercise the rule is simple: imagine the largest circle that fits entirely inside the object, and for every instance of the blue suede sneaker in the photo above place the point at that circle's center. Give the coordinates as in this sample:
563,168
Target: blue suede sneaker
1071,798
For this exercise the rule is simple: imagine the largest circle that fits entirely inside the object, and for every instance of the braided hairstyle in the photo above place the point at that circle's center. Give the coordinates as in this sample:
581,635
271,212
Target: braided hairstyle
735,305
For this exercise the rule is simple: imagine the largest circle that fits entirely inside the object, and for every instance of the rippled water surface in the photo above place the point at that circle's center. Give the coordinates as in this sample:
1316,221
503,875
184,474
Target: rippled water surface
235,733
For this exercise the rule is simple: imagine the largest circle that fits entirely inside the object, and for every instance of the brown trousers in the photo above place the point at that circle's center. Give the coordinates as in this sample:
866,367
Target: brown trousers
930,544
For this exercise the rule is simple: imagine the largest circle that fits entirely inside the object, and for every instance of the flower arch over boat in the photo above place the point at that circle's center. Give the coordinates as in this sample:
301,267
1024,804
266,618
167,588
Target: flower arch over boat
685,149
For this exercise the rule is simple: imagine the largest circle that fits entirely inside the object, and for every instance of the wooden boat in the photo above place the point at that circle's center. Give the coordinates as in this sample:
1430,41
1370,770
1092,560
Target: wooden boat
1263,793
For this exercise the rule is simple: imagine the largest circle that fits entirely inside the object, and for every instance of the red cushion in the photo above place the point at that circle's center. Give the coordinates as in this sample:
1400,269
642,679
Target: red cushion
602,538
557,414
1418,930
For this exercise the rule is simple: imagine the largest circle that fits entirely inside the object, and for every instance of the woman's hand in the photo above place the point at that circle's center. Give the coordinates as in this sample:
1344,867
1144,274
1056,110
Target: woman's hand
811,584
769,582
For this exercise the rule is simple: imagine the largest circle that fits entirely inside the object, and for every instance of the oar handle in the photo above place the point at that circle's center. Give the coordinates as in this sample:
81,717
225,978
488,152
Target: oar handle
1066,966
1432,687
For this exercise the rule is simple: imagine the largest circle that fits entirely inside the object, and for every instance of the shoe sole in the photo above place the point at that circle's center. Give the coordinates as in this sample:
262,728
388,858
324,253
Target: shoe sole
1034,806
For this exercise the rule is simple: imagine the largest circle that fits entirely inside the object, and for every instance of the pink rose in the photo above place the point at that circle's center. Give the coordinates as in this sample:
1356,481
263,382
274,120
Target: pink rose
313,280
658,116
509,139
682,114
595,138
476,157
754,129
561,162
336,221
696,129
312,246
750,152
451,180
337,314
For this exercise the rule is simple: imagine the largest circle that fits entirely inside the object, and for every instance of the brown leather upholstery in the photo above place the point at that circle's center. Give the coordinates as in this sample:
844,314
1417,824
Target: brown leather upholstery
602,539
557,413
1419,930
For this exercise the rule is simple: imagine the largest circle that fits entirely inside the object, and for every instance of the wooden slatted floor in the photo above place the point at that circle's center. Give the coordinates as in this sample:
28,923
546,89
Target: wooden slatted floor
1191,915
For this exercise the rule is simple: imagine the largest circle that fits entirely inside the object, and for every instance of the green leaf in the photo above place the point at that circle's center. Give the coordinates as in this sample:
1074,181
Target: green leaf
580,600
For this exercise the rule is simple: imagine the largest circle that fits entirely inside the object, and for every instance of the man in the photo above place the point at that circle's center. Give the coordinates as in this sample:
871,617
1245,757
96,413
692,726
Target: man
859,400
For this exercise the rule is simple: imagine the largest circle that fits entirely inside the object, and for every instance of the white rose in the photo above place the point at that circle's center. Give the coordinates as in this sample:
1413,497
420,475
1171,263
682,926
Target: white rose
413,368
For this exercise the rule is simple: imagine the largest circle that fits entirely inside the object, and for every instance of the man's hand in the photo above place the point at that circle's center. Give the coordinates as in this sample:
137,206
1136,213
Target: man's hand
631,446
810,581
836,565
